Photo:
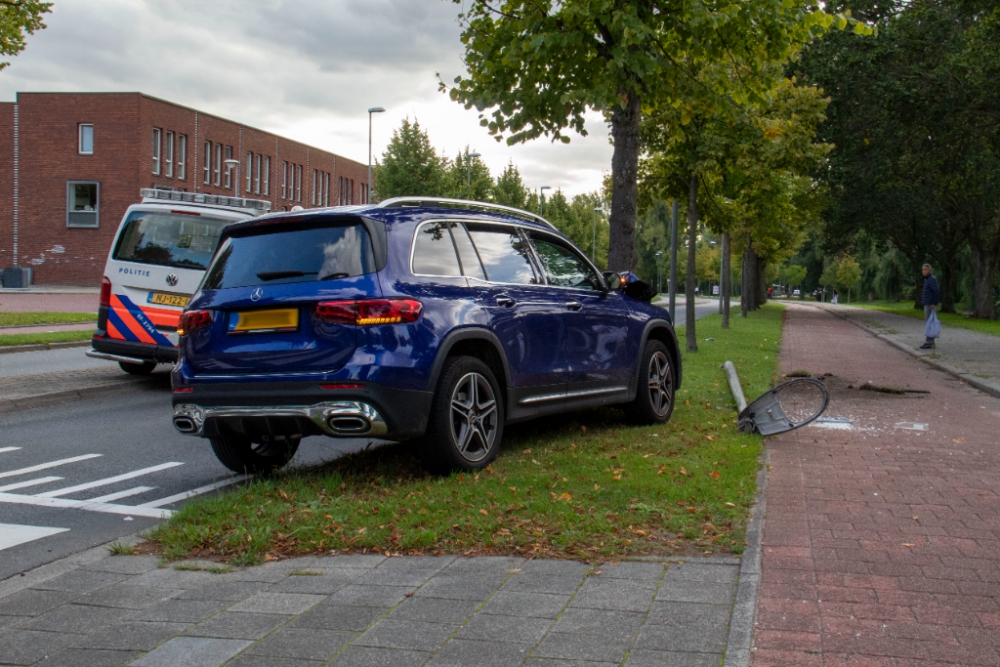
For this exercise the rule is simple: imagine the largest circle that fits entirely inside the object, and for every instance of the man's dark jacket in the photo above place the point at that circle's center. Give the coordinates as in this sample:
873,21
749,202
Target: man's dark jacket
932,292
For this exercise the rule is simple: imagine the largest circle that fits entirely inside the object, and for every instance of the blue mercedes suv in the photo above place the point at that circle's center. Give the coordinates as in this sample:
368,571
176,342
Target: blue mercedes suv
427,319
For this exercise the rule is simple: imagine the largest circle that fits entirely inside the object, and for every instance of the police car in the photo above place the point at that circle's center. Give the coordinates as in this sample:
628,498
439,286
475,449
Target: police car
155,264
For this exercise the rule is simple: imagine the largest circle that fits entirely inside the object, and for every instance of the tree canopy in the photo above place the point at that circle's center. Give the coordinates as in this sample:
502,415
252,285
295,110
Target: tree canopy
18,19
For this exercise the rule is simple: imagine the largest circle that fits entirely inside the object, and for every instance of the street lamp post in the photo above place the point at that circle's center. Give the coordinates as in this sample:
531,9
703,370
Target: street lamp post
468,171
370,112
593,254
659,286
230,165
541,198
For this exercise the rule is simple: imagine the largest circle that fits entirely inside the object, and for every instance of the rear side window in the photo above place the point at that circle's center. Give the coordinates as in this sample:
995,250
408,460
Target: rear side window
178,240
434,253
505,255
292,256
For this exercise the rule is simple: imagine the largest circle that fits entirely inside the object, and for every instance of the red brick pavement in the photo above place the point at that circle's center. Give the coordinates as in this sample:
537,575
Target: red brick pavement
881,545
34,302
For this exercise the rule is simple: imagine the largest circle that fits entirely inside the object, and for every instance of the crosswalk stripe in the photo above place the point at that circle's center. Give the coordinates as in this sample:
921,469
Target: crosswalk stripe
107,480
45,466
134,491
12,534
8,449
69,503
194,492
30,482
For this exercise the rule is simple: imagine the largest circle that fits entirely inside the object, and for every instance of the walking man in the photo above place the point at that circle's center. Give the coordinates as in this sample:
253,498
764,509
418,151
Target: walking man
931,298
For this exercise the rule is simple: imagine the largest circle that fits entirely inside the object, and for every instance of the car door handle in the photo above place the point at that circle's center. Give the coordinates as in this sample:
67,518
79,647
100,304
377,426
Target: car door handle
505,301
574,305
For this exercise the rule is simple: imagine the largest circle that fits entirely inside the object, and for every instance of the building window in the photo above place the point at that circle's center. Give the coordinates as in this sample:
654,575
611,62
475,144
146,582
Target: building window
168,155
284,179
182,149
208,162
326,190
229,172
298,182
267,176
315,184
86,146
249,171
157,139
218,165
350,196
291,180
82,203
256,174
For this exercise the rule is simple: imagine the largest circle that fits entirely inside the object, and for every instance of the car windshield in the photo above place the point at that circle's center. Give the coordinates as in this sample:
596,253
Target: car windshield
292,256
170,238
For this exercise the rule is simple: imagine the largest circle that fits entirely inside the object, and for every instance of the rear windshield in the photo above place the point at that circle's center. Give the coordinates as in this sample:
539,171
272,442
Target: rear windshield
292,256
170,239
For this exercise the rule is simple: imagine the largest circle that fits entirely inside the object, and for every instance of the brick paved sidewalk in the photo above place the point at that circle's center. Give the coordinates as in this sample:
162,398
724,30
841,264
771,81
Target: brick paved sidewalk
368,610
81,300
881,543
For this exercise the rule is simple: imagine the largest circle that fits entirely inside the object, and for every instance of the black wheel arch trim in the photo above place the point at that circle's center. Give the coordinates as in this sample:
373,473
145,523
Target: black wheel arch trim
673,348
459,335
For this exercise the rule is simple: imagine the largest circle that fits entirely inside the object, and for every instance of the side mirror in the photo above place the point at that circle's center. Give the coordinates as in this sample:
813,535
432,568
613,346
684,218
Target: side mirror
615,281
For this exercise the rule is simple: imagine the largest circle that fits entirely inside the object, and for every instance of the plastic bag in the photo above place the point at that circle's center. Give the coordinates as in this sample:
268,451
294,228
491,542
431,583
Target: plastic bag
932,329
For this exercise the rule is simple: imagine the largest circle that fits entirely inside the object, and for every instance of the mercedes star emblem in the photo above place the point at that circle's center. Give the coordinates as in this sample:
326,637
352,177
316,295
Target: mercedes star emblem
256,294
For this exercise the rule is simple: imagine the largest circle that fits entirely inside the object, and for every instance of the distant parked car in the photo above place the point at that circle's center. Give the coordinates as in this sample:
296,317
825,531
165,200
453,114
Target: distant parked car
436,320
796,293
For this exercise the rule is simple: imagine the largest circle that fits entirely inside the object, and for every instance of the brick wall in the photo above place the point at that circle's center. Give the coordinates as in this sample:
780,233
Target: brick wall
6,184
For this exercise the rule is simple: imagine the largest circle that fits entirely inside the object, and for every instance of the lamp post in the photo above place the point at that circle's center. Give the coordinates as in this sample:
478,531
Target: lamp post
370,112
230,165
659,253
468,171
593,253
541,198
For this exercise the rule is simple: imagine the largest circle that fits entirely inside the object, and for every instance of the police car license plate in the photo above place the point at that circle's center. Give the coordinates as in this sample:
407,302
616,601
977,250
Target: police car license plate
164,299
284,319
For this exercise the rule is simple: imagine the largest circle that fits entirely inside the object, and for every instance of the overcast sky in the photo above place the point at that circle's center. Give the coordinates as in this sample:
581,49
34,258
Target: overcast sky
305,69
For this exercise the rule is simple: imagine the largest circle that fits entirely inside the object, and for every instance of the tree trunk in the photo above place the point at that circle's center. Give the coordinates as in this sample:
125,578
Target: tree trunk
918,293
624,172
984,267
948,287
761,282
724,288
692,338
748,279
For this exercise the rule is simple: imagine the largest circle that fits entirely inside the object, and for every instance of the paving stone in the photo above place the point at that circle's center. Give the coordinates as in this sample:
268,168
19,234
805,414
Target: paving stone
278,603
468,653
237,625
434,610
484,564
567,646
557,568
126,564
14,621
192,652
511,629
24,647
623,594
540,605
689,613
554,662
369,596
181,611
131,636
697,591
224,590
641,658
683,638
719,574
331,617
543,583
633,571
246,660
168,577
369,656
413,635
599,622
90,658
459,587
324,584
33,602
366,561
127,596
412,576
302,643
80,581
74,618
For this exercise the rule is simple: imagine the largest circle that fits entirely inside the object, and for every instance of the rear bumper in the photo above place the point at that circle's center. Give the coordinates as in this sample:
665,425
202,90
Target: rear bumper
165,354
262,409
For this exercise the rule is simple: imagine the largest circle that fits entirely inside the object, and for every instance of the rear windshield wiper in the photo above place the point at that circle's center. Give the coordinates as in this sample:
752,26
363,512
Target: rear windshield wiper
335,276
278,275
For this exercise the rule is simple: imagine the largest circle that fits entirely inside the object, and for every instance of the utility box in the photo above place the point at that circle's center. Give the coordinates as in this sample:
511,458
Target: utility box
17,276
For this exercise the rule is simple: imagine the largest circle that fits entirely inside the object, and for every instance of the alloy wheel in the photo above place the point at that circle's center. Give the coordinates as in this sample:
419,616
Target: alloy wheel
661,383
473,416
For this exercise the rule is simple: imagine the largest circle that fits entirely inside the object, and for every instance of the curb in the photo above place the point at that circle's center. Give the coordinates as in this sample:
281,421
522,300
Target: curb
741,623
970,379
10,349
69,395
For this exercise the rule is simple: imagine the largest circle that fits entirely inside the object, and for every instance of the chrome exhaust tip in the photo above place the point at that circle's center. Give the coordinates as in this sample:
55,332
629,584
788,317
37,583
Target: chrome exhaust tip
349,425
185,425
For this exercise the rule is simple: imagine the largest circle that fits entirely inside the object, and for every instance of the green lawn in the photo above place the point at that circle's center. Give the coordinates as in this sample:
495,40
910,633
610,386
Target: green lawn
947,319
585,486
41,338
16,319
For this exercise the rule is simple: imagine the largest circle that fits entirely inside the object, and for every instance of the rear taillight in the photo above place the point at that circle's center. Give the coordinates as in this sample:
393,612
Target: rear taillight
369,311
106,291
192,320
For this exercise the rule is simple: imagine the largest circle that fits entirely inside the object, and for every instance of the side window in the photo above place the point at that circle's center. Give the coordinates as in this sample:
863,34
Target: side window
505,255
467,253
563,267
434,253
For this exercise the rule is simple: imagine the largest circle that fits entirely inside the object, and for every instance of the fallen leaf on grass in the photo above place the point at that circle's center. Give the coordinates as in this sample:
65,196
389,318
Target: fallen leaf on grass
683,471
730,505
714,474
484,512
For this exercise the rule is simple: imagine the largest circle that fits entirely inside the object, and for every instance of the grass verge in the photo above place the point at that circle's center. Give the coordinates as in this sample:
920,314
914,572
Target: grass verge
24,319
584,485
991,327
43,338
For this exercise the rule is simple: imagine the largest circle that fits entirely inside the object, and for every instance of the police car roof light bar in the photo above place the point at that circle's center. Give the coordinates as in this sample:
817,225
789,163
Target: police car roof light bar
200,198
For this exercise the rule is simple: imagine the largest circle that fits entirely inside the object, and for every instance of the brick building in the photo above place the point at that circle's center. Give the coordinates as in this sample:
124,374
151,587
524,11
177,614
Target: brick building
71,163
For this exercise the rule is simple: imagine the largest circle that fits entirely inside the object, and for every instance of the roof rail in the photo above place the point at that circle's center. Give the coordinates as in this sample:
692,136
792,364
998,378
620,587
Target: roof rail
444,202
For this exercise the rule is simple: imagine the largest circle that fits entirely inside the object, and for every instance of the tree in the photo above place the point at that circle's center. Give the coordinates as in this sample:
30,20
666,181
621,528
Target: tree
829,277
509,189
469,178
848,274
541,65
18,19
410,165
793,275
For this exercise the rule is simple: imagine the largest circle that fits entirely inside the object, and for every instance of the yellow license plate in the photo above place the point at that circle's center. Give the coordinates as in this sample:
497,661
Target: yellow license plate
164,299
285,319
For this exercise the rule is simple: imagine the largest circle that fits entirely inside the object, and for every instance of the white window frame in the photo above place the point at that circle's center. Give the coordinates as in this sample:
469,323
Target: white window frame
256,173
79,135
267,175
326,189
157,141
228,173
249,171
182,145
96,211
298,182
208,163
217,180
284,179
168,154
315,184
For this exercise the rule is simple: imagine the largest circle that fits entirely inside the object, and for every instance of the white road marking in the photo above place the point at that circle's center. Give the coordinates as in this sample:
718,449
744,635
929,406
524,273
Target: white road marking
45,466
8,449
134,491
12,534
193,492
107,480
30,482
89,505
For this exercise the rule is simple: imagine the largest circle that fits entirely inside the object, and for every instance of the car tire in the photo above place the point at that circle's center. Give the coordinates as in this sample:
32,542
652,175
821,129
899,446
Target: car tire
144,368
241,455
466,419
654,397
